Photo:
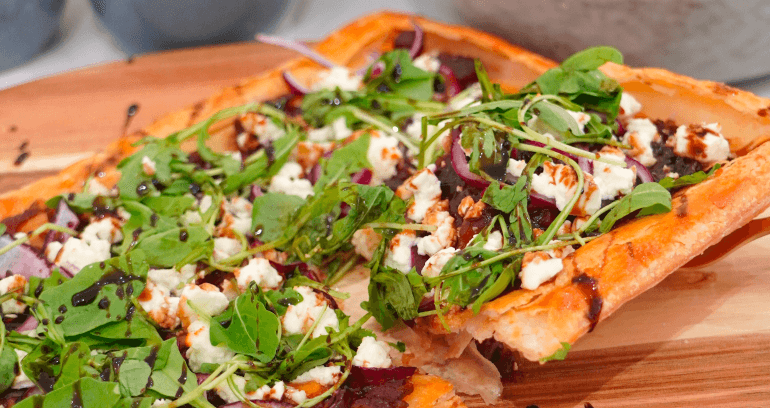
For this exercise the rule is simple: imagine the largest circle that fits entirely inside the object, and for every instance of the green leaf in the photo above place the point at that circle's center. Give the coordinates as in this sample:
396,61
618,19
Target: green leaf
592,58
168,248
80,297
160,151
72,360
247,327
7,364
498,285
465,288
505,197
394,295
412,82
560,354
169,206
169,369
343,162
2,231
690,179
651,198
133,377
86,393
272,213
556,117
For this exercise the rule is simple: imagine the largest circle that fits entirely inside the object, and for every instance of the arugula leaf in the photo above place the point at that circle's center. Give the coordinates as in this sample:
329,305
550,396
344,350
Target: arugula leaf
169,368
86,392
76,305
7,364
489,90
505,197
313,353
169,206
281,299
394,295
169,247
690,179
465,288
401,77
72,360
2,231
343,162
81,203
592,58
560,354
495,287
556,117
247,327
651,198
162,152
272,214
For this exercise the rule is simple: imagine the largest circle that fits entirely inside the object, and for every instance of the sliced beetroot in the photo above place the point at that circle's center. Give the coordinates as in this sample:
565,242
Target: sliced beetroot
255,192
373,388
362,177
30,323
22,260
418,261
368,376
463,68
64,217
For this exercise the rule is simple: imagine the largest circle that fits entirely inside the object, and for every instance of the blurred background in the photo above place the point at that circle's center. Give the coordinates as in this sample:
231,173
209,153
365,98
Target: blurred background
722,40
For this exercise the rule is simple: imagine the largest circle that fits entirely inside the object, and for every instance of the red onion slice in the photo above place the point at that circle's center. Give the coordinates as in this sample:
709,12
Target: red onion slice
368,376
377,69
23,260
641,171
586,165
452,86
29,324
416,47
314,174
294,86
538,144
362,177
256,191
539,200
460,164
296,46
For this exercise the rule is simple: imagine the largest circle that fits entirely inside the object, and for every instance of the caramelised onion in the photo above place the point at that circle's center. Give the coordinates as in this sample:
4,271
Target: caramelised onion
416,47
296,46
539,200
369,376
452,86
294,86
362,177
641,171
460,163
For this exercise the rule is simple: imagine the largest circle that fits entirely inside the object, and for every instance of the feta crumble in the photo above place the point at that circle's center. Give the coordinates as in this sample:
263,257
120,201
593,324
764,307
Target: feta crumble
337,130
225,248
338,77
399,253
206,297
200,350
559,182
435,263
384,155
629,106
425,187
148,166
704,143
427,62
640,133
13,284
613,180
322,375
21,381
157,301
494,241
516,167
439,239
372,354
365,242
260,271
172,279
289,181
300,318
76,254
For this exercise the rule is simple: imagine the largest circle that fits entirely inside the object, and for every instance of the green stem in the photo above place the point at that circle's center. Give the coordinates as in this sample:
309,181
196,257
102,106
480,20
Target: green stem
391,130
41,229
395,225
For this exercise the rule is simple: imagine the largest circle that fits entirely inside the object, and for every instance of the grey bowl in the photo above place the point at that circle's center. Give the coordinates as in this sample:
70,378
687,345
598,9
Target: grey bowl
26,28
723,40
146,25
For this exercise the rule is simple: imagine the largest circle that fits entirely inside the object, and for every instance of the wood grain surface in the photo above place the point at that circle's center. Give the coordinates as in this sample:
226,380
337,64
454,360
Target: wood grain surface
701,338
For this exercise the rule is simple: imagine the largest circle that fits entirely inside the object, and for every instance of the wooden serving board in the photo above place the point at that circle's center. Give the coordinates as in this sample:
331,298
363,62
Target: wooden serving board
700,338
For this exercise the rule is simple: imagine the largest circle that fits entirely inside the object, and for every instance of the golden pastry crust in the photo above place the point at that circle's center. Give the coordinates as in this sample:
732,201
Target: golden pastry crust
614,268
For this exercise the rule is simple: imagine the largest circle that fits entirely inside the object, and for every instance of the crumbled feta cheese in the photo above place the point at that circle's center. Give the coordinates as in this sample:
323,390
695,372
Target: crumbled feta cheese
559,182
427,62
237,215
494,241
97,188
260,271
322,375
399,253
200,350
206,297
148,166
13,284
267,392
472,95
266,129
673,175
225,248
171,278
156,300
581,118
21,381
439,239
372,353
300,318
77,254
106,229
160,401
515,167
263,393
613,180
191,217
640,133
426,189
289,181
205,203
539,270
703,143
629,106
384,156
337,130
414,128
436,262
365,242
52,250
338,77
298,396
